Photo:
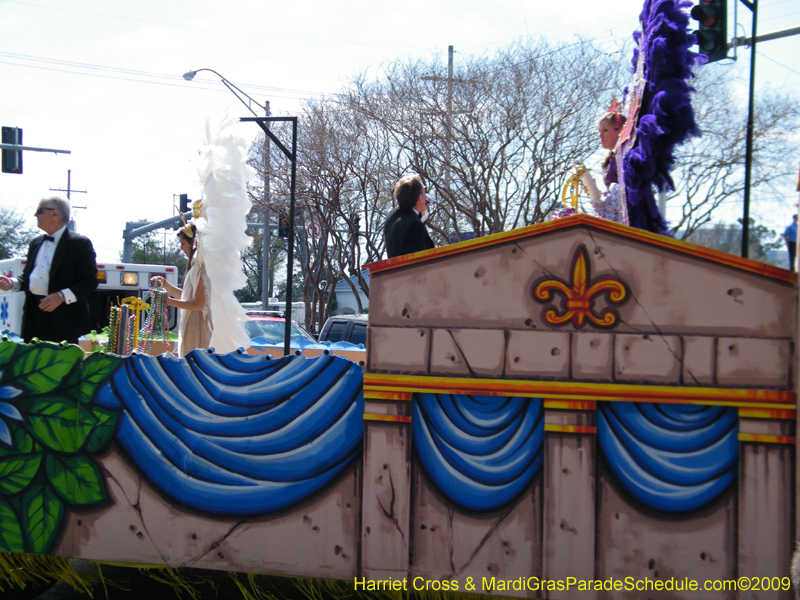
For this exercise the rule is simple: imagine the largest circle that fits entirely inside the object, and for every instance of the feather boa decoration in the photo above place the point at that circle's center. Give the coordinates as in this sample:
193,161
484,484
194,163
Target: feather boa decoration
221,226
666,118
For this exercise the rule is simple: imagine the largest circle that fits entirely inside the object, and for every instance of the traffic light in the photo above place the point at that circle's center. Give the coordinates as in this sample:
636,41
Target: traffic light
283,228
184,203
12,159
712,32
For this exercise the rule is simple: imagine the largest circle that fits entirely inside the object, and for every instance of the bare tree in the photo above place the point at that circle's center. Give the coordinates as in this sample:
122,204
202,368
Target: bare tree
343,186
516,122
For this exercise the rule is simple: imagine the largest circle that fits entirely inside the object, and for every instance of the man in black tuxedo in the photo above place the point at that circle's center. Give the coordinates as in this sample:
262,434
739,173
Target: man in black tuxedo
59,275
405,231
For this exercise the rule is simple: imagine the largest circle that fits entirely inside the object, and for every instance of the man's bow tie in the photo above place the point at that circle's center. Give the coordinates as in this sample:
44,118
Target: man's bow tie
49,238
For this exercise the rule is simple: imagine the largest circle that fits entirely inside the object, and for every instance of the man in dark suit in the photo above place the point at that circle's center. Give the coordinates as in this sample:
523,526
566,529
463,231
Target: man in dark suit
404,230
59,275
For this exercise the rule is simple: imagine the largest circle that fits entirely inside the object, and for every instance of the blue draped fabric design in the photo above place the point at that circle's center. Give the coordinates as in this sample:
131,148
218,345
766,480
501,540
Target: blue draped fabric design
670,457
481,452
237,434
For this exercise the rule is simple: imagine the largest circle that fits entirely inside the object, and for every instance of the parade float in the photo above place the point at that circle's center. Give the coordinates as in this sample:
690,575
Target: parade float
608,404
577,408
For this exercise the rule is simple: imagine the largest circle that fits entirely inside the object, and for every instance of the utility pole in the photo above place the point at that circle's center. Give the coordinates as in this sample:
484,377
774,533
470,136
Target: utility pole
69,191
449,132
449,116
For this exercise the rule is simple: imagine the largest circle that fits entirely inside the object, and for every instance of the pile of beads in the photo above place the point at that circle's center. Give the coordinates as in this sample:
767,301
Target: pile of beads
120,330
564,212
157,324
130,328
113,329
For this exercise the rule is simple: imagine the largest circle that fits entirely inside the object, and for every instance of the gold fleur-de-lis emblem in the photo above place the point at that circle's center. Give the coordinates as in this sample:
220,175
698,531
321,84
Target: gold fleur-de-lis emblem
579,295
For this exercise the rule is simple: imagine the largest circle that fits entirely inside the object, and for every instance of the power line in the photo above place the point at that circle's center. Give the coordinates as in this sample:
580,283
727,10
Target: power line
348,42
124,71
282,94
797,12
777,63
771,4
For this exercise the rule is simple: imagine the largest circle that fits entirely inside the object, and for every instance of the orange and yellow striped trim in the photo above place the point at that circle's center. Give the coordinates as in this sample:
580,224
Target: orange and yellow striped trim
571,428
570,404
568,390
387,395
767,413
766,439
390,418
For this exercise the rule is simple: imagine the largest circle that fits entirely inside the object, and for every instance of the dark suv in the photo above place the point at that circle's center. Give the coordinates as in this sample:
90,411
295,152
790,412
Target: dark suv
345,328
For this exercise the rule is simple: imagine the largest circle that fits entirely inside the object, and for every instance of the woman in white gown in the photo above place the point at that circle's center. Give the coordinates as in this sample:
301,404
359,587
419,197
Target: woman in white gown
194,319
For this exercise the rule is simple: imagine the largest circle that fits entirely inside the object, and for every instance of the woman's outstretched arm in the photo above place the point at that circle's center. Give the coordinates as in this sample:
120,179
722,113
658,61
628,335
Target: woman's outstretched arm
196,303
172,290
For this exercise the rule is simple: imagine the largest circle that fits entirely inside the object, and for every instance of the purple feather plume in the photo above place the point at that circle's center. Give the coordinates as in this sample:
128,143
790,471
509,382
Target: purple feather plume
666,118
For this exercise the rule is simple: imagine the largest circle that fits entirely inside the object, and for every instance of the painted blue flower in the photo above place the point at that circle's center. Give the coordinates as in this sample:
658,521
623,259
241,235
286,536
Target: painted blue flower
8,411
4,310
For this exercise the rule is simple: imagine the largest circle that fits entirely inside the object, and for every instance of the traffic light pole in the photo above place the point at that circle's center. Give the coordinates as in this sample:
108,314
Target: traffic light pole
751,41
12,148
753,6
265,240
775,35
32,149
131,232
264,122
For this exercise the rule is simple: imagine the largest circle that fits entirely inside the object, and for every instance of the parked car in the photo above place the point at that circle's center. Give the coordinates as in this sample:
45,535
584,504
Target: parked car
345,328
273,329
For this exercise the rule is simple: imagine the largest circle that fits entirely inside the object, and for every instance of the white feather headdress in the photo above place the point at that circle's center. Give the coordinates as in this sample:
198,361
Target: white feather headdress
221,225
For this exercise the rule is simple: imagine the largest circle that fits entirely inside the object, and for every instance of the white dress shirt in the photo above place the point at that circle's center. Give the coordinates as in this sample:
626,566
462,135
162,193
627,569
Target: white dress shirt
39,280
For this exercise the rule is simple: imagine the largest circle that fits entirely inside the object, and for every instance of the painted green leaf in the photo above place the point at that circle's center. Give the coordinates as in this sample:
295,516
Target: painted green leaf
41,516
60,423
22,442
10,530
41,368
71,384
107,420
6,352
17,471
94,371
76,479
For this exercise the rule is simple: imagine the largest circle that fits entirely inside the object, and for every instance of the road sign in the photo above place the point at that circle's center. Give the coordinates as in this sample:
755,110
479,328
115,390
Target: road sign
314,230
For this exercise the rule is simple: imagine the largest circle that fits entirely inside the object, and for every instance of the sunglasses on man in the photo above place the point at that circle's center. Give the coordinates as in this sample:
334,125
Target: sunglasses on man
41,209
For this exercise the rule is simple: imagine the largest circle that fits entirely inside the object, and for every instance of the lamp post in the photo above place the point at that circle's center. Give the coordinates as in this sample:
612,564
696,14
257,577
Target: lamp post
263,122
188,76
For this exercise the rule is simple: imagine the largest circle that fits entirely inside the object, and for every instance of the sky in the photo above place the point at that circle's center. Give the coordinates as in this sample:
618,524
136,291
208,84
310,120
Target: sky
104,80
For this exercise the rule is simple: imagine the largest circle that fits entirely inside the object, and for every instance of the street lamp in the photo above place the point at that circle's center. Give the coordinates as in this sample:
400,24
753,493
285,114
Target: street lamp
263,122
188,76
